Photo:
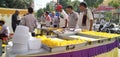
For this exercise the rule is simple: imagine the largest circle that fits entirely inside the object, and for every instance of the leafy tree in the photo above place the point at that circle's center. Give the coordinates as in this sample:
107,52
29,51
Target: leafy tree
40,12
115,3
75,5
65,3
49,8
93,3
21,4
108,15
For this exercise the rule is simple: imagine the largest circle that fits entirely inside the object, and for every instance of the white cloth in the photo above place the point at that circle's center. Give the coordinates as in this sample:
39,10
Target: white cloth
89,17
62,20
65,16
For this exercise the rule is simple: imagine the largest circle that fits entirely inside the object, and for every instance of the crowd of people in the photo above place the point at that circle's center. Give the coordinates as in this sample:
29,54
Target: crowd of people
70,18
59,18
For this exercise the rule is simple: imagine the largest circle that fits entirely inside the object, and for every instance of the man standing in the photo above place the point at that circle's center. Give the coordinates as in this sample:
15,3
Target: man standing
30,21
4,31
42,20
15,20
55,20
48,19
85,20
72,17
62,15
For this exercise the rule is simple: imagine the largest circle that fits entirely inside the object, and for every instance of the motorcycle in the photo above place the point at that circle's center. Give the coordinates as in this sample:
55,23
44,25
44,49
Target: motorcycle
107,28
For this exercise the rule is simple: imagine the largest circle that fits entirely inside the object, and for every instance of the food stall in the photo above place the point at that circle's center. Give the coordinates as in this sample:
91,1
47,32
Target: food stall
6,13
71,44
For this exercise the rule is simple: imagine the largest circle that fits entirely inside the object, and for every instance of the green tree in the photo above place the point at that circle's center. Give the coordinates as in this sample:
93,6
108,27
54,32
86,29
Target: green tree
65,3
93,3
20,4
108,15
49,8
114,3
75,5
40,12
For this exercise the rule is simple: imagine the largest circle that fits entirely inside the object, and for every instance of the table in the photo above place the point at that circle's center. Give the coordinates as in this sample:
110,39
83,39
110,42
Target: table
98,50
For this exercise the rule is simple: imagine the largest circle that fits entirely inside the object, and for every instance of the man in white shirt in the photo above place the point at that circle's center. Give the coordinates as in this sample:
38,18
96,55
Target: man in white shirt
42,20
85,20
4,31
63,16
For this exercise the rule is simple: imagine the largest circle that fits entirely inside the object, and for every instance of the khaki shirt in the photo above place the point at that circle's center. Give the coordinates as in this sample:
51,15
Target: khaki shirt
89,17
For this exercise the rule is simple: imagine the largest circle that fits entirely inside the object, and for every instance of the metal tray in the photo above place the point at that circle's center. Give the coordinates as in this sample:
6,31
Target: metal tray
101,39
64,48
76,46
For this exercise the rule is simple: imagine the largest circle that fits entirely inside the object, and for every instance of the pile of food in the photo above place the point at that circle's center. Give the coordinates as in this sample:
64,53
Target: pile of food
55,42
101,34
84,38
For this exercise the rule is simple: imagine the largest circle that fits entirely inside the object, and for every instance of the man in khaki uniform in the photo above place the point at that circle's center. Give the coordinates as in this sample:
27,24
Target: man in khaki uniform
85,20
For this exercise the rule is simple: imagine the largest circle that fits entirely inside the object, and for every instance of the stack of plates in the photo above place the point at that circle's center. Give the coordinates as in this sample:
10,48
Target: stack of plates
20,48
20,39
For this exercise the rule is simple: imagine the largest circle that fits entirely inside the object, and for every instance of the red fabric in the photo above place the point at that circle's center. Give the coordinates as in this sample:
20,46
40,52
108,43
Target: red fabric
59,7
5,38
101,8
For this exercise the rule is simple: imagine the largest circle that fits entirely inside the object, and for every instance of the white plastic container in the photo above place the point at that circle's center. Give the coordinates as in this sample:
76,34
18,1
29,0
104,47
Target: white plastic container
21,39
20,48
21,35
22,29
34,44
8,49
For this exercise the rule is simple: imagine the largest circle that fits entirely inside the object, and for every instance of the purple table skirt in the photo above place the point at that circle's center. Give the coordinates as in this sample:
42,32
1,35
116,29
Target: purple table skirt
91,52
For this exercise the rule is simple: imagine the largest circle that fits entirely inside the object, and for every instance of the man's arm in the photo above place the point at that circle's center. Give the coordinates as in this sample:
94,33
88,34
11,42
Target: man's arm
91,24
66,23
90,16
78,21
22,22
36,22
